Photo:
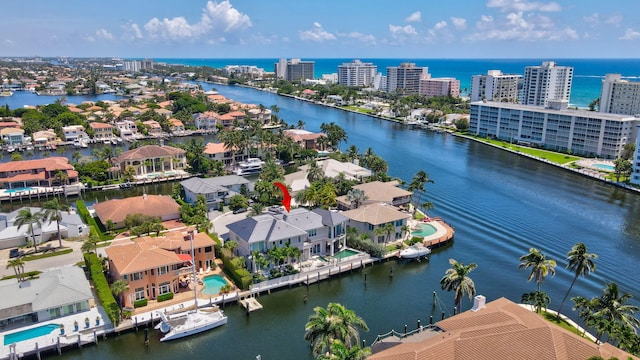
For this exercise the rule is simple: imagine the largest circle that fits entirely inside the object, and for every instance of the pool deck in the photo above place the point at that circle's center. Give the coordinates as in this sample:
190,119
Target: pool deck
591,164
444,232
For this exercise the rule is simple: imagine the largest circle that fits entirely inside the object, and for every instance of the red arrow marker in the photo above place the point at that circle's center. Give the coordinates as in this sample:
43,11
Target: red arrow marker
286,199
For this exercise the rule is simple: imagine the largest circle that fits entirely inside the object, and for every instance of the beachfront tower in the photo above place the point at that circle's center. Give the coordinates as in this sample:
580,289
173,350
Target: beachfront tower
405,79
619,96
294,69
546,82
496,86
356,73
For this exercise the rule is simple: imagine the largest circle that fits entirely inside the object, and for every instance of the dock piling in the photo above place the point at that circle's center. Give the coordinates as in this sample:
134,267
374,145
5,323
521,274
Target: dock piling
37,351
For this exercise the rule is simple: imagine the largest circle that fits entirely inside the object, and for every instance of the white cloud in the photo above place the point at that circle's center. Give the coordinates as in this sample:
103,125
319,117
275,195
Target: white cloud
597,19
216,19
9,42
520,27
440,25
402,30
415,17
459,23
136,31
90,39
592,19
317,34
630,34
104,34
521,5
614,20
365,38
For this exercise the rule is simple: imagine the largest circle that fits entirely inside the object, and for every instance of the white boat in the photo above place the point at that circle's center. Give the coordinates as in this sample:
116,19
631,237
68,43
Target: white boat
190,322
248,167
415,251
6,93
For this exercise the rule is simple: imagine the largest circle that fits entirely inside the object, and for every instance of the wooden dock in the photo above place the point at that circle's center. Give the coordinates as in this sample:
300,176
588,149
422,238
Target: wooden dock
250,304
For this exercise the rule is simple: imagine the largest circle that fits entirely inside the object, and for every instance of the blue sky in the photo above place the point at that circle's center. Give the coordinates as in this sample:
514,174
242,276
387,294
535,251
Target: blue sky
322,29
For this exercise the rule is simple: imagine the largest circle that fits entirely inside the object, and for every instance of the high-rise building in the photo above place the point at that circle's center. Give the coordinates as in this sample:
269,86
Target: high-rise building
546,82
496,86
356,73
430,87
619,96
585,133
294,69
405,78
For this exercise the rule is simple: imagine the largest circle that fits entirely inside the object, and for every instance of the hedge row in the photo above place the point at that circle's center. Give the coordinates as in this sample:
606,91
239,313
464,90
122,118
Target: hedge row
165,297
102,287
140,303
94,227
240,276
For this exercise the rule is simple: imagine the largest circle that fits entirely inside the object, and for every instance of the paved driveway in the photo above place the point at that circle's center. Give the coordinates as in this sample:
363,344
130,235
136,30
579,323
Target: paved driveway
220,222
46,263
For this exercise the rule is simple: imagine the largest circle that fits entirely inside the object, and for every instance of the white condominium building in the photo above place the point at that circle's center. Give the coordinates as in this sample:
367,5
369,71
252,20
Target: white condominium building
619,96
356,73
405,79
585,133
430,87
546,82
496,86
294,69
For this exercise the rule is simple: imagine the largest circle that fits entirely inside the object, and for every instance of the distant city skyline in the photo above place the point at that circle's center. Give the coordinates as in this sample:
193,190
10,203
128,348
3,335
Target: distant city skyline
327,29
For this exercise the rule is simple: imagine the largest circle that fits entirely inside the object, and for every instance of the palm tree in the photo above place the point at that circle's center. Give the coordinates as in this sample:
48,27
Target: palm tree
613,309
315,172
356,197
386,230
539,299
90,245
26,217
540,266
53,212
341,352
417,183
581,263
457,278
18,267
336,322
118,288
586,308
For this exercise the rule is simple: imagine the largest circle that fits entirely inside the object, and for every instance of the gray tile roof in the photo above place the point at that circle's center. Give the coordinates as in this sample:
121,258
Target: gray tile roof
55,288
214,184
330,218
303,219
264,228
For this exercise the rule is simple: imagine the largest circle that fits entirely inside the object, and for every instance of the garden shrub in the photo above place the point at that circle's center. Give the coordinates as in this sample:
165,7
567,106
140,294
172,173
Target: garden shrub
140,303
101,285
165,297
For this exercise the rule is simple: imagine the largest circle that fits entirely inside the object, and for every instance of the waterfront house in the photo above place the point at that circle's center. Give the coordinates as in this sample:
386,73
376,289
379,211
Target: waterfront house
217,190
154,128
331,168
317,232
152,160
176,126
378,192
368,218
73,133
219,152
127,128
71,226
500,329
101,131
263,116
9,124
12,136
166,113
54,294
205,121
155,266
116,210
44,138
306,139
52,171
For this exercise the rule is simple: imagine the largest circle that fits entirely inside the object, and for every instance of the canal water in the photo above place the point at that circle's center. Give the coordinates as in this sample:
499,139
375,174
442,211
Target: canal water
500,205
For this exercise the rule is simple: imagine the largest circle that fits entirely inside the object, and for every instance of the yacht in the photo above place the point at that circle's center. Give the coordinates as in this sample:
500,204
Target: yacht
192,321
6,93
415,251
249,167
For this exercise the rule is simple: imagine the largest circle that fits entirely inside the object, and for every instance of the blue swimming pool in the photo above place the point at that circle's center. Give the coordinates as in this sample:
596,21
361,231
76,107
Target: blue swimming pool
29,333
11,191
604,167
424,230
212,284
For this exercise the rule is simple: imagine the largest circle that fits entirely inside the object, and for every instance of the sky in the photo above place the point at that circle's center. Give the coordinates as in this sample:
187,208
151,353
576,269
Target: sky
321,29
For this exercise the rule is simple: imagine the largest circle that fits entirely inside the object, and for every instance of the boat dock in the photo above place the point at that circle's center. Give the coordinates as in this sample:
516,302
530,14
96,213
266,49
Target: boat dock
250,304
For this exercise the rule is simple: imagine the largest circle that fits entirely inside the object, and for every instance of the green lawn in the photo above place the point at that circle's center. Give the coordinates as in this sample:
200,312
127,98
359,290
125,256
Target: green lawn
46,254
563,324
555,157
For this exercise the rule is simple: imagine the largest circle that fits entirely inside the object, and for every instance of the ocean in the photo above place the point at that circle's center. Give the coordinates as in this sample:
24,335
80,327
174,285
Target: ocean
588,73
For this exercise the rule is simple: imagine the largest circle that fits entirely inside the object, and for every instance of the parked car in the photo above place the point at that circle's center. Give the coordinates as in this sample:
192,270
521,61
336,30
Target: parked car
239,211
14,253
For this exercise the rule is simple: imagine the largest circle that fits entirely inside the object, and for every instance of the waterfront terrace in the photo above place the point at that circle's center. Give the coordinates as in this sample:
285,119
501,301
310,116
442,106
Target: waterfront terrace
586,133
53,171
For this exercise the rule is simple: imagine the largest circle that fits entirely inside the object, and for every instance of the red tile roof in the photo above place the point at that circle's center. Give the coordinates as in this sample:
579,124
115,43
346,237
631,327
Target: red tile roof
48,164
117,210
149,151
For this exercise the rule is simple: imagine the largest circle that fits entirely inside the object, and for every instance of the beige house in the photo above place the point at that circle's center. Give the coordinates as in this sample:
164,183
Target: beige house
368,218
101,130
153,160
154,266
379,192
306,139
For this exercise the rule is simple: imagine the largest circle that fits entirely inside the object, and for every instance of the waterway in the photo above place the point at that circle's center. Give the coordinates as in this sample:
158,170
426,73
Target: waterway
500,205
